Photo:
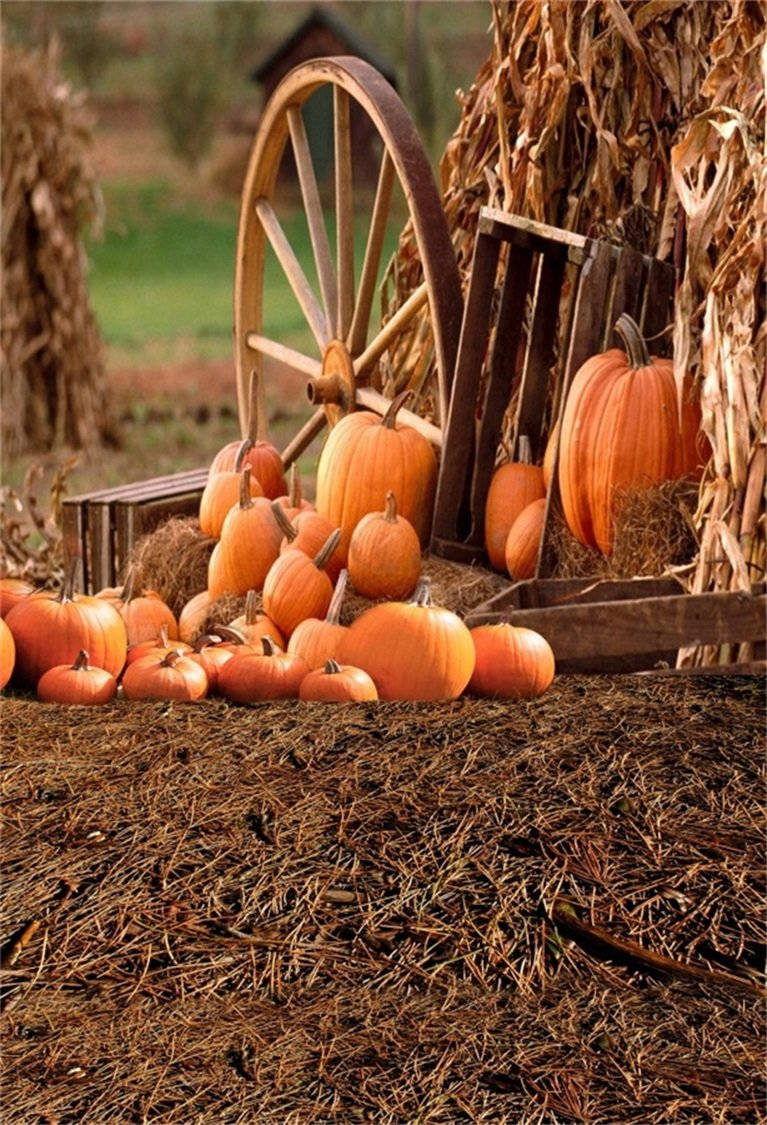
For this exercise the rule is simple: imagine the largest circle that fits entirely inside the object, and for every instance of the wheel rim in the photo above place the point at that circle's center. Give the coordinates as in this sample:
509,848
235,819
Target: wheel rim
338,315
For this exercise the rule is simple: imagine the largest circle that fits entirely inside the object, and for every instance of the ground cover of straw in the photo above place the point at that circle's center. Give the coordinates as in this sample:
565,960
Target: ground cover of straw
287,914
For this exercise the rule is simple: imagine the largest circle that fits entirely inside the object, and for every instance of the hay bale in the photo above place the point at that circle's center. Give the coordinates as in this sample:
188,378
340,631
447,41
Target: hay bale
53,379
173,560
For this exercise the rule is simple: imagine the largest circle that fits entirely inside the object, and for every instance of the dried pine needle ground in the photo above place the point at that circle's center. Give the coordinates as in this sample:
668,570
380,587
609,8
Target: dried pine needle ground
266,914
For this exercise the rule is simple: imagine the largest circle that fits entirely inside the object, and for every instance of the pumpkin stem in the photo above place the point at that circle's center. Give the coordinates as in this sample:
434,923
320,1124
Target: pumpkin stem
269,646
322,558
171,658
524,451
633,341
205,641
81,661
255,423
332,667
390,417
284,524
229,634
244,448
333,616
246,500
295,492
390,514
422,595
251,607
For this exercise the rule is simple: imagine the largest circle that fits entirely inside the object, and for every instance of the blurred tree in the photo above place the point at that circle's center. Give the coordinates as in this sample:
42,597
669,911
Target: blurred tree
237,30
190,90
77,24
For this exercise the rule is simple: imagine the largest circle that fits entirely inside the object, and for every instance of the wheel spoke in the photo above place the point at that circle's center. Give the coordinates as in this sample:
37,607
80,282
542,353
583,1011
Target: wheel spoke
391,329
291,358
310,307
314,215
304,437
344,213
358,333
372,400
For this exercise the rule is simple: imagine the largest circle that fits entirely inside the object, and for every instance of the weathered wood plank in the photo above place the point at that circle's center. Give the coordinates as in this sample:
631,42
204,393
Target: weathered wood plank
540,352
530,233
543,592
630,273
658,305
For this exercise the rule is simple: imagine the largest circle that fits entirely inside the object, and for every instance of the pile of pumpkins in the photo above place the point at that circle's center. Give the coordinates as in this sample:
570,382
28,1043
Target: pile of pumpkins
622,427
375,489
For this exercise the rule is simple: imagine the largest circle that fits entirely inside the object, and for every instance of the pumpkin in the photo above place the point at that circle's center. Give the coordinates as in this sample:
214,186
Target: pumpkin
249,544
384,554
307,531
268,674
318,640
264,458
144,614
513,662
513,486
337,683
50,629
550,456
621,430
254,625
79,683
297,586
213,650
7,654
12,590
159,646
412,650
193,616
294,502
365,456
172,676
222,492
524,540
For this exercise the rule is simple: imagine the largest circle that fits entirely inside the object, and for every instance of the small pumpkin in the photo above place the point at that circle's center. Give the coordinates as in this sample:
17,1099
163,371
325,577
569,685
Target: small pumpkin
513,486
363,457
249,544
144,614
524,540
193,616
316,639
222,492
294,501
264,458
622,430
307,531
412,650
50,629
254,625
297,586
172,676
269,674
12,590
7,654
160,645
513,662
384,554
77,684
213,650
337,683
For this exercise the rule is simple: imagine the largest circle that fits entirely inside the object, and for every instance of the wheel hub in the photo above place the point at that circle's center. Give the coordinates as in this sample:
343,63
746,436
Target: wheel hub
334,387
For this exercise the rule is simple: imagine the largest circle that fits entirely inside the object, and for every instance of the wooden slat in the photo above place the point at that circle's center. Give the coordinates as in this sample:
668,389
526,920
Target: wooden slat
389,332
542,593
503,363
358,332
305,436
531,234
302,290
540,352
657,310
630,282
459,434
344,214
314,213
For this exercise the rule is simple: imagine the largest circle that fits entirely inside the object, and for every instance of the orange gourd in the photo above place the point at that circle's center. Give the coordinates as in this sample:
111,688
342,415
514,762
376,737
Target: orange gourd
50,629
172,677
524,540
513,662
412,650
384,554
513,486
337,683
254,625
268,674
77,684
249,544
365,456
297,586
222,492
622,430
7,654
307,531
12,590
318,640
264,458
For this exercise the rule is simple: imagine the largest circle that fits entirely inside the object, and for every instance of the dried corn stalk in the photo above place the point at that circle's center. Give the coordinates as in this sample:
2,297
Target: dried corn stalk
53,384
641,122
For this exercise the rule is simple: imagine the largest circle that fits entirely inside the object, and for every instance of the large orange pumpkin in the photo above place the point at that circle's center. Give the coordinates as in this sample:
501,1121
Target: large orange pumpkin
524,540
513,662
50,629
513,486
412,650
621,430
264,458
365,456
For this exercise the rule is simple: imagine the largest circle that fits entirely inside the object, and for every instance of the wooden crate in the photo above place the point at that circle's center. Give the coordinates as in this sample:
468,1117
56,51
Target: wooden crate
100,528
571,290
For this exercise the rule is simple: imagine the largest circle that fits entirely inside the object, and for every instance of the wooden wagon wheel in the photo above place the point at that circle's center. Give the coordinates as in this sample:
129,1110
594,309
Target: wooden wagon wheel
339,316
